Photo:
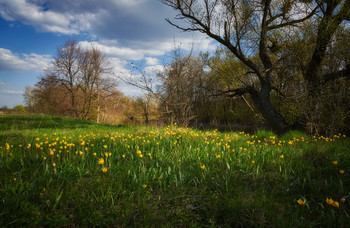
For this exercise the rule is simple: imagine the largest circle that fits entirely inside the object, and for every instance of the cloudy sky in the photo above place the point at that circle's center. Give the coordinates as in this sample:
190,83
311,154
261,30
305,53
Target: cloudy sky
124,30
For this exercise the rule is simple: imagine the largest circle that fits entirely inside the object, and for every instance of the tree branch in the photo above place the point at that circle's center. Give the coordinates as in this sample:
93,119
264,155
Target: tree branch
293,22
339,74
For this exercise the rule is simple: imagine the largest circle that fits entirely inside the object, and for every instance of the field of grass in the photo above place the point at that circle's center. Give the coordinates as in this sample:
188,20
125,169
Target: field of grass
58,171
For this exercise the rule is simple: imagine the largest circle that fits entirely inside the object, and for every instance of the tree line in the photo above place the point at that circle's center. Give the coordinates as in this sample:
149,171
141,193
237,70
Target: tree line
282,63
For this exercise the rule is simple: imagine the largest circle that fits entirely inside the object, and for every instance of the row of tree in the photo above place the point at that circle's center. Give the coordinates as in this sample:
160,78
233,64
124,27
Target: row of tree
291,57
284,63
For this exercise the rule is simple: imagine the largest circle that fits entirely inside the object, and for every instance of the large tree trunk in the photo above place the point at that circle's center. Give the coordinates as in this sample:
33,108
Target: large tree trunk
263,103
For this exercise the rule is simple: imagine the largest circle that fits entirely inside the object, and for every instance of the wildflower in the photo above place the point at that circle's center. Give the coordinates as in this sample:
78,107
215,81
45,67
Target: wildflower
53,165
253,162
343,200
94,154
341,171
149,154
218,156
301,202
335,162
331,202
52,153
144,186
104,170
123,155
105,146
336,204
101,161
203,167
282,156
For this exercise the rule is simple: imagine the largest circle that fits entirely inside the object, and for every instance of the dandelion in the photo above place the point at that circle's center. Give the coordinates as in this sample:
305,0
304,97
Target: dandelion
253,162
301,202
203,167
105,146
282,156
335,162
218,156
104,170
341,171
123,155
101,161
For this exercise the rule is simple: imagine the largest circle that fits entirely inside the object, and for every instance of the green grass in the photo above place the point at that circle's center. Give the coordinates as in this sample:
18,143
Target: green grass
156,177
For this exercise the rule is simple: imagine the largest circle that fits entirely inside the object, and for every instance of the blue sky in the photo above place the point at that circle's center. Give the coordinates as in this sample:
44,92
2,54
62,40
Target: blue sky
124,30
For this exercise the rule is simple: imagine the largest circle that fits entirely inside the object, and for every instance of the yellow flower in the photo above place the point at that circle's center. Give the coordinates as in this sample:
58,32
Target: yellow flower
253,162
336,204
52,153
94,154
105,146
329,201
53,165
104,170
343,200
341,171
282,156
301,202
101,161
218,156
335,163
123,155
144,186
202,166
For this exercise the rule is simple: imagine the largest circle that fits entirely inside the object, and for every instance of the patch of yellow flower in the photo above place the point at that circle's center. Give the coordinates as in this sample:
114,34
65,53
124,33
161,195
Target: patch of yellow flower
331,202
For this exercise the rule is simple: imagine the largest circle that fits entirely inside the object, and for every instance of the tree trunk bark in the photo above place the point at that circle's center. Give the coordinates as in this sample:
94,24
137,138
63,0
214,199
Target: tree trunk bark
263,103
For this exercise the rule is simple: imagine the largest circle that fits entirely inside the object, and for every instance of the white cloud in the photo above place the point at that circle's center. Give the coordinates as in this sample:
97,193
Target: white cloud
44,20
11,91
150,61
11,61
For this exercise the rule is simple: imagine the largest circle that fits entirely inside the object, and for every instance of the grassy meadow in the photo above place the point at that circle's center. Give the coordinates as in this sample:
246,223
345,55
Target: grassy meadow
59,171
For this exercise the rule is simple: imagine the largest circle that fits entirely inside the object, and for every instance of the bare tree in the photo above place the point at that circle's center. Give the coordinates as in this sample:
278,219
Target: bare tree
84,75
246,28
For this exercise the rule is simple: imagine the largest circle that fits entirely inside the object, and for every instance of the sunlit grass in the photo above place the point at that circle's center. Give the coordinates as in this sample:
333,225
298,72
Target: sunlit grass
62,172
